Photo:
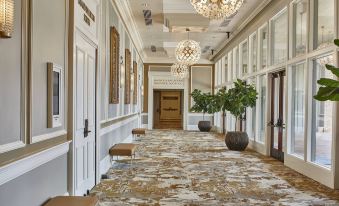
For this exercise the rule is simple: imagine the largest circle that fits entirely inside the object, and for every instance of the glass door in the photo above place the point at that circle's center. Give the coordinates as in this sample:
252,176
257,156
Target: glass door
277,122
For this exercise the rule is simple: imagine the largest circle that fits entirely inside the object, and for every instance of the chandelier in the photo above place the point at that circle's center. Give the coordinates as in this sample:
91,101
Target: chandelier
217,9
179,70
6,18
188,51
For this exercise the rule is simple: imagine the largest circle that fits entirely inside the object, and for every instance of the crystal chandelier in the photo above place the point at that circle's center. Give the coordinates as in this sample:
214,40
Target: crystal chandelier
179,70
188,51
217,9
6,18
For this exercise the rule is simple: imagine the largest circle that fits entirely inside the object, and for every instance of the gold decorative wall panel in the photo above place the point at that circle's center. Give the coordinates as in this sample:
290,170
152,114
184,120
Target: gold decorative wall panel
127,76
114,67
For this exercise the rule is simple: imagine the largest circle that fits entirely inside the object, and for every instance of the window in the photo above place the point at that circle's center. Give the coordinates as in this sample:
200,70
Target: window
279,38
253,52
230,66
322,117
299,27
226,68
298,109
252,115
262,107
235,63
244,57
263,32
323,22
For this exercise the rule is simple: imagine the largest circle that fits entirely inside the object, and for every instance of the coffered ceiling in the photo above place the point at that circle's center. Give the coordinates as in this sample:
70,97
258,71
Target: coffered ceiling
162,24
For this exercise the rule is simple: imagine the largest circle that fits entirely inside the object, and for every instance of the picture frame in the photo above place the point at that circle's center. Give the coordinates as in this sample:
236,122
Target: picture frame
114,66
135,73
128,76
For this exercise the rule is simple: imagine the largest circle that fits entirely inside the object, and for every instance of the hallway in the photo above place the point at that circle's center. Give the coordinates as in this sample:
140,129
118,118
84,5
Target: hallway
193,168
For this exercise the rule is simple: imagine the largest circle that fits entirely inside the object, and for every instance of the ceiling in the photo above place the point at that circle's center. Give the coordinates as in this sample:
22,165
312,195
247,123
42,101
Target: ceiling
167,22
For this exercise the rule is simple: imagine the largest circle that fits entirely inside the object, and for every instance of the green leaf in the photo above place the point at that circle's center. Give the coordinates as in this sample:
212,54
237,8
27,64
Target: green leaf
333,69
328,82
326,93
336,42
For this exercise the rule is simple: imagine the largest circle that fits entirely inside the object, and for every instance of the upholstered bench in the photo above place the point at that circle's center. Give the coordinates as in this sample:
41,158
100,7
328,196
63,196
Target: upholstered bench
137,132
123,149
72,201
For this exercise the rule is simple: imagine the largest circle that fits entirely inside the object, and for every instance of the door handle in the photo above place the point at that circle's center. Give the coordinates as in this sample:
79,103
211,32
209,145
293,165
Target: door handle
270,124
86,131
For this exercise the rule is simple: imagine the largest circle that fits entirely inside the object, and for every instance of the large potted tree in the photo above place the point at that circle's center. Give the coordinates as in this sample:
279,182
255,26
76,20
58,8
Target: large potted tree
204,103
236,100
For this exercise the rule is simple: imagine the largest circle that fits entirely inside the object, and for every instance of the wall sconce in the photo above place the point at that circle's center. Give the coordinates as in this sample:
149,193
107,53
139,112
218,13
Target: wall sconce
122,72
6,18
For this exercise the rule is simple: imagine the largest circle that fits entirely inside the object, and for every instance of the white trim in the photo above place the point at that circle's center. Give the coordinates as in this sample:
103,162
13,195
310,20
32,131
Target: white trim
11,146
43,137
106,130
199,115
22,166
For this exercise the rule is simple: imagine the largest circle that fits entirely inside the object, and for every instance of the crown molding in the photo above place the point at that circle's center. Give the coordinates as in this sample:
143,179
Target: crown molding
221,49
125,12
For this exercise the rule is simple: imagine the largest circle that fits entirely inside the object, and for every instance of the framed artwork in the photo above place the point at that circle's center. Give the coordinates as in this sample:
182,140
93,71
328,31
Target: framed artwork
135,73
55,95
128,67
114,67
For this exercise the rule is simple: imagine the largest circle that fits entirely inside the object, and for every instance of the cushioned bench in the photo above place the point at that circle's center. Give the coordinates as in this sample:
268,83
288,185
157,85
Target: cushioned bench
123,149
72,201
137,132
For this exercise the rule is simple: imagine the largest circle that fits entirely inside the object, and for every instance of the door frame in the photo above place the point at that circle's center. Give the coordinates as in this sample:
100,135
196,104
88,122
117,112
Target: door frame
270,129
178,85
71,111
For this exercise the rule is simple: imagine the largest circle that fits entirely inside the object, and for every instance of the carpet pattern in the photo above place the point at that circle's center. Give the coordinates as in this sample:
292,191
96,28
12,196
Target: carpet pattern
193,168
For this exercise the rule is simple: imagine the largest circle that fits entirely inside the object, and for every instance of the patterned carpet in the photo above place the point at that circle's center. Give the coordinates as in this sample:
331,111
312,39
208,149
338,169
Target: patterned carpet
193,168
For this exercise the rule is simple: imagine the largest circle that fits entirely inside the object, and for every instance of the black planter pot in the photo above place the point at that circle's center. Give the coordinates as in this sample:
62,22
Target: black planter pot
236,141
204,126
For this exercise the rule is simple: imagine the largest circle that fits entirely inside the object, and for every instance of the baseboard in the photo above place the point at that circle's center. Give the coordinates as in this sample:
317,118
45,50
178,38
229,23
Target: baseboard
192,128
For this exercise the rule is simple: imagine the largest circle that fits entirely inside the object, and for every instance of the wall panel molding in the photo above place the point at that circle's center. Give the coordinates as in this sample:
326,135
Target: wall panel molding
24,165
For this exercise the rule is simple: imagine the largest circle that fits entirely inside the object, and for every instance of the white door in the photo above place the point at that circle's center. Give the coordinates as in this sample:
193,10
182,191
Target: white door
84,141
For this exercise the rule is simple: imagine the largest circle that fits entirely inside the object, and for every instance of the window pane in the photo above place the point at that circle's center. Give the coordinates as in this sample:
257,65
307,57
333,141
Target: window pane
300,27
251,119
236,63
279,38
324,22
262,105
254,50
322,117
298,110
226,69
244,58
263,47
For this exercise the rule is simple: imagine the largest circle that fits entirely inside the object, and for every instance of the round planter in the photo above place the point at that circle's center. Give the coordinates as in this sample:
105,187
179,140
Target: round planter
236,141
204,126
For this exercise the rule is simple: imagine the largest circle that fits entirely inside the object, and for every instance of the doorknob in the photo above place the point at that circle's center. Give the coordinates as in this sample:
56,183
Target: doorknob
86,131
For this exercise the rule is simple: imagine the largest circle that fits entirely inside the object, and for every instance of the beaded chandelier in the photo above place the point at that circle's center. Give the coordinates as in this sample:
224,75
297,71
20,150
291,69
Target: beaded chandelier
179,70
188,51
6,18
217,9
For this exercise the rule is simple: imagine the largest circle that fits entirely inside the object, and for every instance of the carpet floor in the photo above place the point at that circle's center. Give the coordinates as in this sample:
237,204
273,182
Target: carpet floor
193,168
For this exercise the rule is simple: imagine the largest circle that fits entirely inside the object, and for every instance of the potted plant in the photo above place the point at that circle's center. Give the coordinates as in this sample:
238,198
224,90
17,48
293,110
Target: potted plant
236,100
329,88
205,103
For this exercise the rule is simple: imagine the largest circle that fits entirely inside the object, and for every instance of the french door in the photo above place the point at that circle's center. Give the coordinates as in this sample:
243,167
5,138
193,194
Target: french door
84,142
277,121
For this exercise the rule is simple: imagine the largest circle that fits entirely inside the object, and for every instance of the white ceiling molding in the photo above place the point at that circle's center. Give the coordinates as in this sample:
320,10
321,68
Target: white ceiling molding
222,47
171,60
124,9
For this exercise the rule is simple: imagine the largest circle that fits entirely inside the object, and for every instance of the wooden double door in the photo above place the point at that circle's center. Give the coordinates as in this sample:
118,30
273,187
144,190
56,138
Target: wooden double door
168,106
277,121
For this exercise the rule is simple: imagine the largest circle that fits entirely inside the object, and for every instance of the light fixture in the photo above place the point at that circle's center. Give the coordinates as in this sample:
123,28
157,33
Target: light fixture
179,70
6,18
188,51
217,9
